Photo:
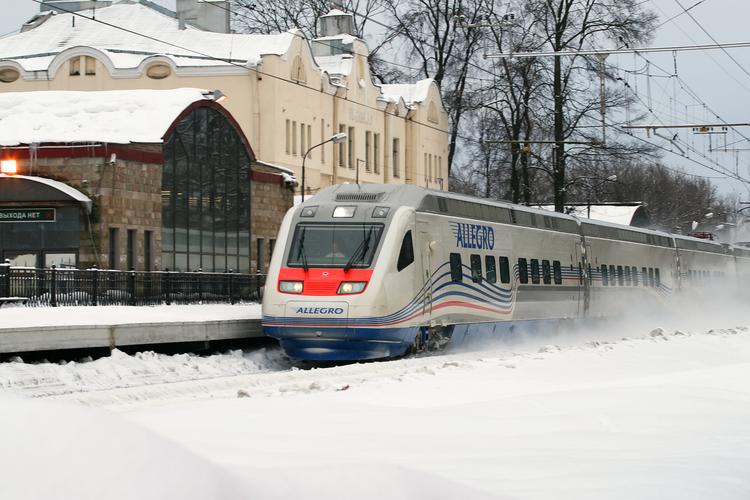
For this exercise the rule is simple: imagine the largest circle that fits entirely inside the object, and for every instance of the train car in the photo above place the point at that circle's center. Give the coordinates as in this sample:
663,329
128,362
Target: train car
375,271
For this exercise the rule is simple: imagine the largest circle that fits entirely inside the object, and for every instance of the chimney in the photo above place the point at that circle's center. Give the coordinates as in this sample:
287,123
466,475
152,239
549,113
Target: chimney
337,22
208,15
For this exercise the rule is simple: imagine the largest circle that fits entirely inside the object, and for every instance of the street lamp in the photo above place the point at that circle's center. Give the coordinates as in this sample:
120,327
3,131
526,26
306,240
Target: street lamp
336,139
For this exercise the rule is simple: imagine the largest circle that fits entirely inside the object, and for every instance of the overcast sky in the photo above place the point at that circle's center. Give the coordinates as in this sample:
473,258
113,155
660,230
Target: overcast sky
711,76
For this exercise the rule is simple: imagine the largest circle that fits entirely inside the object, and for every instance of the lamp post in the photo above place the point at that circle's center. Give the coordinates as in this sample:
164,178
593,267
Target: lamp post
336,139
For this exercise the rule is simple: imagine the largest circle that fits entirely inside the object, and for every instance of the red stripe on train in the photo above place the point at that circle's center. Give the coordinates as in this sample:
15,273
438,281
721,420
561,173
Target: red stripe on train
321,281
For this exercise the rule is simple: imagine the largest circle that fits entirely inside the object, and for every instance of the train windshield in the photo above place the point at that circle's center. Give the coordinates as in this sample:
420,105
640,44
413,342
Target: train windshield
334,245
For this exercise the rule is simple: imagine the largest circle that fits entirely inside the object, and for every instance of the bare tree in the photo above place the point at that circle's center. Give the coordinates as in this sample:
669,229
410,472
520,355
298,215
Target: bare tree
572,25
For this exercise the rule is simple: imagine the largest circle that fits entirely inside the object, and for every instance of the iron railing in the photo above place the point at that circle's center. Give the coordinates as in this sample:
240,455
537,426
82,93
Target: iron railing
91,287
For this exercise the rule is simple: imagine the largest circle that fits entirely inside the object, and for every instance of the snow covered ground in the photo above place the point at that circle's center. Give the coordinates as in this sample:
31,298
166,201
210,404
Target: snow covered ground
21,316
616,411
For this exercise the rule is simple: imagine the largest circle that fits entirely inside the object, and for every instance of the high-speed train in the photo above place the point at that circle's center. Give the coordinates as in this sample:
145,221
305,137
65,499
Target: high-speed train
375,271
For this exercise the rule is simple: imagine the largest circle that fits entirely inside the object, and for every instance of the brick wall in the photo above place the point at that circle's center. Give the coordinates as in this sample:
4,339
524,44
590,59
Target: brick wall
270,200
126,195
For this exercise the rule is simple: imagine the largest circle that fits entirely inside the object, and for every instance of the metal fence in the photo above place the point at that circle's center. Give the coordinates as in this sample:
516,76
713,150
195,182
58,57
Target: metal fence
91,287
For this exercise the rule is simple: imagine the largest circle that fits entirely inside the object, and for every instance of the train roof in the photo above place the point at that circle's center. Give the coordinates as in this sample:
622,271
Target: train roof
459,205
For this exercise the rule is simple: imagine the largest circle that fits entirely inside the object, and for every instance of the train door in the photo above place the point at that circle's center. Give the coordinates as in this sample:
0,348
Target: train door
426,252
425,249
579,259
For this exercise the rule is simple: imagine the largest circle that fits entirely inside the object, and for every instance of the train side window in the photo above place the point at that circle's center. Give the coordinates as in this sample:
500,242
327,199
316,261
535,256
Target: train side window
620,276
523,270
605,275
535,271
591,276
546,274
634,272
644,276
612,275
489,264
406,255
657,277
628,278
650,276
457,272
504,270
557,272
476,268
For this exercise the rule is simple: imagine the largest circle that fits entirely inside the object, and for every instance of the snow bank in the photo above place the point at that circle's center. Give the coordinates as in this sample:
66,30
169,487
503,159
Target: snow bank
67,452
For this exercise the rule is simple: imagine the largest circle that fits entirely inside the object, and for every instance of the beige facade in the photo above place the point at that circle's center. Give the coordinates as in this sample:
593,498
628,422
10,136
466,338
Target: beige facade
284,98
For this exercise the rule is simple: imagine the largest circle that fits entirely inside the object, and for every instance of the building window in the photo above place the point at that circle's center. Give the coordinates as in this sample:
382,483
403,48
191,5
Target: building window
74,66
322,138
376,153
288,141
205,195
294,137
302,137
148,242
351,148
429,164
309,136
425,167
260,257
90,65
342,147
131,249
113,244
271,246
395,158
368,141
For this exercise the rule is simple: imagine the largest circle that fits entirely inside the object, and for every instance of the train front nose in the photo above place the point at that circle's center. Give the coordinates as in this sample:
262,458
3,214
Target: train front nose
323,330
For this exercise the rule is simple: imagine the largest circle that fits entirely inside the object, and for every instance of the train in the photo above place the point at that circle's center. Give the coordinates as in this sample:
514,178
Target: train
363,272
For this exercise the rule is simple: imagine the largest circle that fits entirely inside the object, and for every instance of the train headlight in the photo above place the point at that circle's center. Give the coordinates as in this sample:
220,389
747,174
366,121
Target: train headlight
291,286
349,287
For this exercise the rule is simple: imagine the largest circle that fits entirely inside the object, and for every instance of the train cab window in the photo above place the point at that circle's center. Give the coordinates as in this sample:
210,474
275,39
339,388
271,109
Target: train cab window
634,273
557,272
546,272
504,270
605,275
644,276
535,271
491,271
457,272
523,270
476,268
406,255
650,276
612,275
657,277
620,276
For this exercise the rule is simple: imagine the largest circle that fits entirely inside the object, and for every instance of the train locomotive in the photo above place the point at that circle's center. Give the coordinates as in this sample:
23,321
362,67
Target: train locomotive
376,271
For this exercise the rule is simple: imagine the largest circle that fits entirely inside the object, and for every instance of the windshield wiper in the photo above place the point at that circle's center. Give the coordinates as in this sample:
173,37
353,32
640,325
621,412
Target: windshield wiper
361,249
301,252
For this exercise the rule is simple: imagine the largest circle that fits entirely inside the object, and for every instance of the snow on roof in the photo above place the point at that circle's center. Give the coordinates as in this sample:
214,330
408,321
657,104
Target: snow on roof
32,49
336,65
115,116
410,92
614,214
59,186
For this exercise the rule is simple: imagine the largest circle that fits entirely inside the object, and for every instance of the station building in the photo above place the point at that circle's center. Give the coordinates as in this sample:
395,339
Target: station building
138,179
287,93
